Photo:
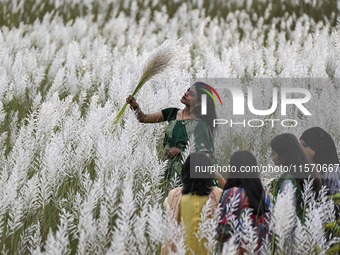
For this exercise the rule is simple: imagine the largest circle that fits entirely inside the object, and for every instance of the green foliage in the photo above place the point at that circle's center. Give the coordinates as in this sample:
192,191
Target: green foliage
334,226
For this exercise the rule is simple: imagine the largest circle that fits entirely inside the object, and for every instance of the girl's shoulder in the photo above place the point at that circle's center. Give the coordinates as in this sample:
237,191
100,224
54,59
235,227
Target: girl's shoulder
216,193
170,113
200,122
236,192
173,199
236,197
175,192
285,179
215,197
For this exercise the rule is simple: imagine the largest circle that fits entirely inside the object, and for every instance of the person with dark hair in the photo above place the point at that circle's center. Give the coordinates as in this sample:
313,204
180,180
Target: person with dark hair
320,149
186,202
247,187
183,123
286,151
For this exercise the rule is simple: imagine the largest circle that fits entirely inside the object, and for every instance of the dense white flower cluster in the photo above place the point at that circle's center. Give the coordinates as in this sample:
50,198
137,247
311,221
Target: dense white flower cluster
69,184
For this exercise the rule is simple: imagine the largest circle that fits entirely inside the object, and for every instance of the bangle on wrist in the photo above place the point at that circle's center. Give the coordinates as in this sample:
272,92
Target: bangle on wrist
132,108
137,110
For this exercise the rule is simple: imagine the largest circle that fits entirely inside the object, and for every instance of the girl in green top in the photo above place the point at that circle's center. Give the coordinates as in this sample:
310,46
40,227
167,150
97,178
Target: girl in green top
183,123
320,149
286,151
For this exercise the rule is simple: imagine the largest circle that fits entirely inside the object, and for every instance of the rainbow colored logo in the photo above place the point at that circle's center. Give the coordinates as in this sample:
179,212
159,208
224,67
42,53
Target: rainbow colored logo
213,90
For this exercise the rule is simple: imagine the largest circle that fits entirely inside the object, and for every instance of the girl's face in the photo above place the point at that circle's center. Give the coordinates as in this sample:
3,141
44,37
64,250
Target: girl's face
310,154
190,97
275,157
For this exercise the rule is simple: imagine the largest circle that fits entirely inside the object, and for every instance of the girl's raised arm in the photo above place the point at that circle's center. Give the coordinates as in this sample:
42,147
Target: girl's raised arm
142,117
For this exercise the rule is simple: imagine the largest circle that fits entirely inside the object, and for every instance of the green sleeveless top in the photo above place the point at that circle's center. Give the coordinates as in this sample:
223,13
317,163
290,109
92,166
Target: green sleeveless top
299,205
178,132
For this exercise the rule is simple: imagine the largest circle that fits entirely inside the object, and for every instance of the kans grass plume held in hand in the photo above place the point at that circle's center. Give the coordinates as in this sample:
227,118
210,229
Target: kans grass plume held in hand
168,55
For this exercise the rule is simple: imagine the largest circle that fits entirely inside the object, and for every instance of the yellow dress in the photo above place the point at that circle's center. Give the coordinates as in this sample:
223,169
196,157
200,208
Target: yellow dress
188,208
190,211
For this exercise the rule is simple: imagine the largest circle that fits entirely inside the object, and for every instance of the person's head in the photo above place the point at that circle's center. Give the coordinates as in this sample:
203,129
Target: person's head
249,180
199,186
286,150
242,159
319,146
193,98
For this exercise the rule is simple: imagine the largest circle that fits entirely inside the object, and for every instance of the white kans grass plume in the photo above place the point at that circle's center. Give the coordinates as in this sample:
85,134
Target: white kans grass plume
168,55
248,234
230,247
124,225
232,221
155,228
174,234
86,229
283,221
35,240
310,235
243,235
62,76
189,148
207,226
59,243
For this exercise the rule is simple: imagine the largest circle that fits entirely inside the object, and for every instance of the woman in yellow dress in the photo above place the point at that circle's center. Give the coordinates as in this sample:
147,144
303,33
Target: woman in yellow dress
186,202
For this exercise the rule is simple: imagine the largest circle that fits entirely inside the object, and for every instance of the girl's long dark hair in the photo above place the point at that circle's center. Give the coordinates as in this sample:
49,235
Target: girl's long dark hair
249,181
289,150
322,143
211,111
199,186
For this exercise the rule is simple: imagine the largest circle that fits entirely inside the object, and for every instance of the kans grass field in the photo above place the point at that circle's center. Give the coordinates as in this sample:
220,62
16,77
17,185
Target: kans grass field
71,182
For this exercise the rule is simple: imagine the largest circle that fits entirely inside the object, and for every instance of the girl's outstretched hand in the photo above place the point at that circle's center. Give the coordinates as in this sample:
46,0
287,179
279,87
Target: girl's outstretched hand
132,102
